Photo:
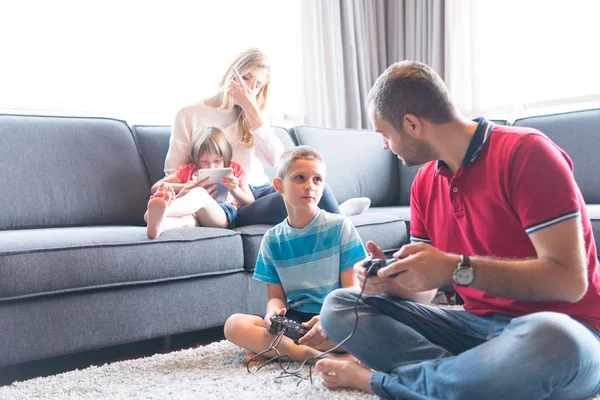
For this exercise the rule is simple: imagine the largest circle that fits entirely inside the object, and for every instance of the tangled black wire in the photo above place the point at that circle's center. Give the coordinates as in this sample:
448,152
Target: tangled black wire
284,358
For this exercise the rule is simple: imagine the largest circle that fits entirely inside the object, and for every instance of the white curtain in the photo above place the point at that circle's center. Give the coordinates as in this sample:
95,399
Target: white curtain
513,58
347,44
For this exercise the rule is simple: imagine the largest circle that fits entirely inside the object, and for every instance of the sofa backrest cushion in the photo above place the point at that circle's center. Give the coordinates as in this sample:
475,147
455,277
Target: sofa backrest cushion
154,143
68,171
407,176
356,163
577,133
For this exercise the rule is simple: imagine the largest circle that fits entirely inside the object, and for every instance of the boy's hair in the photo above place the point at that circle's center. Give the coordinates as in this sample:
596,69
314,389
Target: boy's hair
211,140
410,87
296,153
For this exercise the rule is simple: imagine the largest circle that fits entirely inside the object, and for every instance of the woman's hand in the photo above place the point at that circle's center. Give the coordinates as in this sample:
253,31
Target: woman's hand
269,315
242,95
230,182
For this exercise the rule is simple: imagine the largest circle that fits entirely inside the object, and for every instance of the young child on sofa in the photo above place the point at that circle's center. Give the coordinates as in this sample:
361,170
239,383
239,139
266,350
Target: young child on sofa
302,259
178,200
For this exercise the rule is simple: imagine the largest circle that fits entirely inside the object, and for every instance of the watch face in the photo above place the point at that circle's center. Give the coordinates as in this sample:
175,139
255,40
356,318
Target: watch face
463,276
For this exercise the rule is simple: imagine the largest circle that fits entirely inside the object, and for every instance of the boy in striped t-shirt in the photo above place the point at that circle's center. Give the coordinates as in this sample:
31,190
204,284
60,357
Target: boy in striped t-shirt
302,260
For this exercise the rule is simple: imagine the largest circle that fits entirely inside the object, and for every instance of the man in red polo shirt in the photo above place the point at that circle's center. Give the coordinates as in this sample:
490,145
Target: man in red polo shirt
495,211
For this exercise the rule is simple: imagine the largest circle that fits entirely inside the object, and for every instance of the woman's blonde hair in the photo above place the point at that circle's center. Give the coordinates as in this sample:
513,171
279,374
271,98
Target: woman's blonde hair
211,140
244,63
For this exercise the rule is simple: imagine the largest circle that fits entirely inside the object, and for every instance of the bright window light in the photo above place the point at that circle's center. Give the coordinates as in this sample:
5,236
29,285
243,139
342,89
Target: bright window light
140,60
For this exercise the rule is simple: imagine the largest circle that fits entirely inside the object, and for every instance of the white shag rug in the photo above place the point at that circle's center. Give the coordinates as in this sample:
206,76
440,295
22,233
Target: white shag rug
215,371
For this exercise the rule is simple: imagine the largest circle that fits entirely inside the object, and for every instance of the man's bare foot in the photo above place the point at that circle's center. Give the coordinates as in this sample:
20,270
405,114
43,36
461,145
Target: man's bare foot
338,374
344,357
155,216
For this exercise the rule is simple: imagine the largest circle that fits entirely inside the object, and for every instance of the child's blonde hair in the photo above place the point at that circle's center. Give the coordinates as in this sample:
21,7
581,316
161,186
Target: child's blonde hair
211,140
296,153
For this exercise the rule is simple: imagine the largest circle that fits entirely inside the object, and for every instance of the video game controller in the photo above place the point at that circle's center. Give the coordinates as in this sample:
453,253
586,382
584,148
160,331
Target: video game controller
290,328
375,264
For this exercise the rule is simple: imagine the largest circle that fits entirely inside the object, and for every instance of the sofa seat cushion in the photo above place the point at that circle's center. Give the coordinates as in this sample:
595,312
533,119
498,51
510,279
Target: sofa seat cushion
387,230
38,262
398,211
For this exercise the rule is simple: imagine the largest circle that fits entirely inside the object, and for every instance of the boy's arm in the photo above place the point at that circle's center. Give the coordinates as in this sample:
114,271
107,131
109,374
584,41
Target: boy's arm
348,278
276,305
277,299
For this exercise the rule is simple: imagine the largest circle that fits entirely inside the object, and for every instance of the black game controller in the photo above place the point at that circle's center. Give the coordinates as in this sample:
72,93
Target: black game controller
290,328
375,264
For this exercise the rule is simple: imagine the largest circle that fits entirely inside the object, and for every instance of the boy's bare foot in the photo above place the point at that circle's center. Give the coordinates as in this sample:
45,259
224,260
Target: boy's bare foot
155,216
260,358
338,374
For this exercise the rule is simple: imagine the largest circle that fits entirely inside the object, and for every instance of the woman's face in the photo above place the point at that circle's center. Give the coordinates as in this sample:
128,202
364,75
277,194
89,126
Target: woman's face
256,78
210,161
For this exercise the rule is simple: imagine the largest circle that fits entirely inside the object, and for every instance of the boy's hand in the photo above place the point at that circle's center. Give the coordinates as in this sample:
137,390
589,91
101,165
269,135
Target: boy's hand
316,335
230,182
268,317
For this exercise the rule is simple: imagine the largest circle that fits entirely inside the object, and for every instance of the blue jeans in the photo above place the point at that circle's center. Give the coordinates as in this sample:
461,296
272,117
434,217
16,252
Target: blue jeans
269,208
426,352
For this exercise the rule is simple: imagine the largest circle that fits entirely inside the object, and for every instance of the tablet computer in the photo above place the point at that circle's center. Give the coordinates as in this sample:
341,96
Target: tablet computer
214,177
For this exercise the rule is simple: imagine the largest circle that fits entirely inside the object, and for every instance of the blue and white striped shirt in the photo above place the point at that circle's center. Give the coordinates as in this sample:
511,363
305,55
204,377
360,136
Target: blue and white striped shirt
307,262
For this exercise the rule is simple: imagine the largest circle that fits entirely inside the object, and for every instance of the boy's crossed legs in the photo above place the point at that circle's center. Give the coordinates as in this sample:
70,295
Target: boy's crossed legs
195,208
249,332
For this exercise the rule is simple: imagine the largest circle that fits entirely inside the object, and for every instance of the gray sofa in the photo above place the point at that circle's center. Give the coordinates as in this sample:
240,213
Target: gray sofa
78,273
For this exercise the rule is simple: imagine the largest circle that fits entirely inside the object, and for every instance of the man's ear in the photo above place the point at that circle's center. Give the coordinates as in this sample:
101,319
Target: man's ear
412,125
278,185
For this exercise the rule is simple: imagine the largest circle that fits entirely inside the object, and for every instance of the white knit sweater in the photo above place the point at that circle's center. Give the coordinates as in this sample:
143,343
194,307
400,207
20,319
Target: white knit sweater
266,150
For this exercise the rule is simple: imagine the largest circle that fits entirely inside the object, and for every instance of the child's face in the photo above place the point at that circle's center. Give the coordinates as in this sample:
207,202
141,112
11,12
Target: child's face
303,184
210,161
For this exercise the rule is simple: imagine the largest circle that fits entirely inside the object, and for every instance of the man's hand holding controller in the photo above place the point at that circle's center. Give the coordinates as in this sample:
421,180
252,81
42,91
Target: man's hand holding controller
367,270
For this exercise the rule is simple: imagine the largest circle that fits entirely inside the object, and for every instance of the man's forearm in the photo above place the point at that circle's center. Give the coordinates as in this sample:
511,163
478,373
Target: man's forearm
530,280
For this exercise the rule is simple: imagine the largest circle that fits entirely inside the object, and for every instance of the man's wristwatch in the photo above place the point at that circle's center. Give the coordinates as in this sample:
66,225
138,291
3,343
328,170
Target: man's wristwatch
463,274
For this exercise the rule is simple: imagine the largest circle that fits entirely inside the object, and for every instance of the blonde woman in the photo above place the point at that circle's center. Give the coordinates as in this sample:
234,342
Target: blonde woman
238,109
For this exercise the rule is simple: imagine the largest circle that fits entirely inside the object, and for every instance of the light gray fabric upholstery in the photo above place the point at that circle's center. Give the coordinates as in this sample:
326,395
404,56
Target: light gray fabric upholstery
397,211
251,239
40,262
356,163
62,324
388,231
577,133
59,171
407,176
154,144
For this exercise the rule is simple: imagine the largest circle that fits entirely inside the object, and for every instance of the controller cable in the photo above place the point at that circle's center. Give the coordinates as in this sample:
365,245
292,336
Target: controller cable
284,357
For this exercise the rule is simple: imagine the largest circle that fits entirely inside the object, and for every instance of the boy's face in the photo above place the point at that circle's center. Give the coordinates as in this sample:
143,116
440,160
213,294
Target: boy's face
302,185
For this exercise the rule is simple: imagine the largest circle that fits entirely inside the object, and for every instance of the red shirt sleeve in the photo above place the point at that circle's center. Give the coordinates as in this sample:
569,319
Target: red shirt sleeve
238,172
543,191
185,172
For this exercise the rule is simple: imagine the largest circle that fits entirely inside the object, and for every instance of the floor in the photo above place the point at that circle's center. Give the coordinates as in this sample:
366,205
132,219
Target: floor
57,365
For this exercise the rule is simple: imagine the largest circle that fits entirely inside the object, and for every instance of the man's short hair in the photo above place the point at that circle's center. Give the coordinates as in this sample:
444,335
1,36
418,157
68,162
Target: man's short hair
296,153
410,87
